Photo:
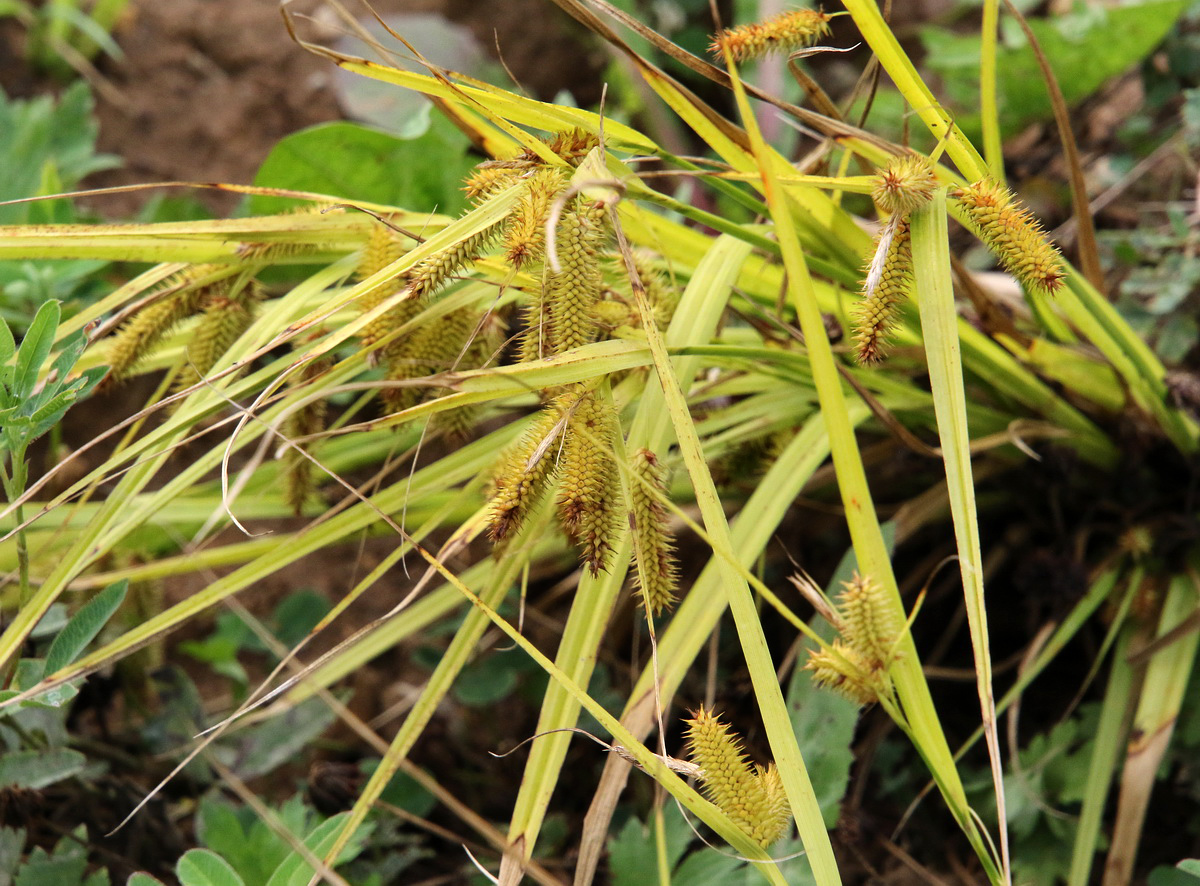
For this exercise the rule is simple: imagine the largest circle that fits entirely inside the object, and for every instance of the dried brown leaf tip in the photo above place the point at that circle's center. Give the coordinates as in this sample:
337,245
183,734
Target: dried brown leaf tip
887,284
657,575
1013,235
905,184
752,796
785,32
856,666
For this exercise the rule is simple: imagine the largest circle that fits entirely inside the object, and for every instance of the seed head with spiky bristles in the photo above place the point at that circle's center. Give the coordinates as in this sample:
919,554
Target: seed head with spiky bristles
569,293
431,274
867,621
434,347
457,424
785,32
1013,235
657,575
224,320
590,503
185,295
888,283
526,471
299,476
525,231
752,798
490,178
842,669
383,247
905,184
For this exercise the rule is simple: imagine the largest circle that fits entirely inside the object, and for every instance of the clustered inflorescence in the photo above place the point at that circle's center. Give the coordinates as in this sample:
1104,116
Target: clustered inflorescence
906,184
752,796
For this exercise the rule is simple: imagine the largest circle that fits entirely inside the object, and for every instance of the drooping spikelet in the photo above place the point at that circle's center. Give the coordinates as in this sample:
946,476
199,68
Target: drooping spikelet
185,295
383,247
299,474
525,232
1013,235
432,348
224,320
657,575
888,282
590,503
573,145
752,798
905,184
492,177
868,622
525,473
431,274
843,670
457,424
856,665
569,294
785,32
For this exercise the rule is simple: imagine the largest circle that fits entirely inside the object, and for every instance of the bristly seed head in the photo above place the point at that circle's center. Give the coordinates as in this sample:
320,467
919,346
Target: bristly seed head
783,33
1014,236
657,575
888,282
752,797
906,183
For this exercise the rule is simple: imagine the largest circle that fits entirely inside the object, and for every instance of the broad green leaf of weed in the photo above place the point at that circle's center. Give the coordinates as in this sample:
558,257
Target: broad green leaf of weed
37,769
141,878
1186,873
202,867
84,626
824,723
295,871
1084,53
359,163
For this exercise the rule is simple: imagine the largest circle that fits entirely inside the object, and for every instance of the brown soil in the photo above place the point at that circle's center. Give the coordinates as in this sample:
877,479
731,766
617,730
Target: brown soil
207,87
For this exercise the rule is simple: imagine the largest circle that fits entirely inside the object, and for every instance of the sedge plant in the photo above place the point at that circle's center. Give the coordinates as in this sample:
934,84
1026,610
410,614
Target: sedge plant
547,381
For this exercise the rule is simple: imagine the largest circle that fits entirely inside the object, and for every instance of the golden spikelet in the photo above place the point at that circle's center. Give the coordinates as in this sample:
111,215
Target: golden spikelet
752,797
785,32
490,178
657,575
526,471
867,621
383,247
1013,235
224,320
432,273
186,295
888,282
458,424
612,314
569,293
432,348
905,184
843,670
573,145
856,665
590,503
662,295
525,231
299,474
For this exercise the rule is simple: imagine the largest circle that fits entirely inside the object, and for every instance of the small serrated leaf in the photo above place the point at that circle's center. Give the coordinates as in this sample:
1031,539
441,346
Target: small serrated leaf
37,769
35,349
